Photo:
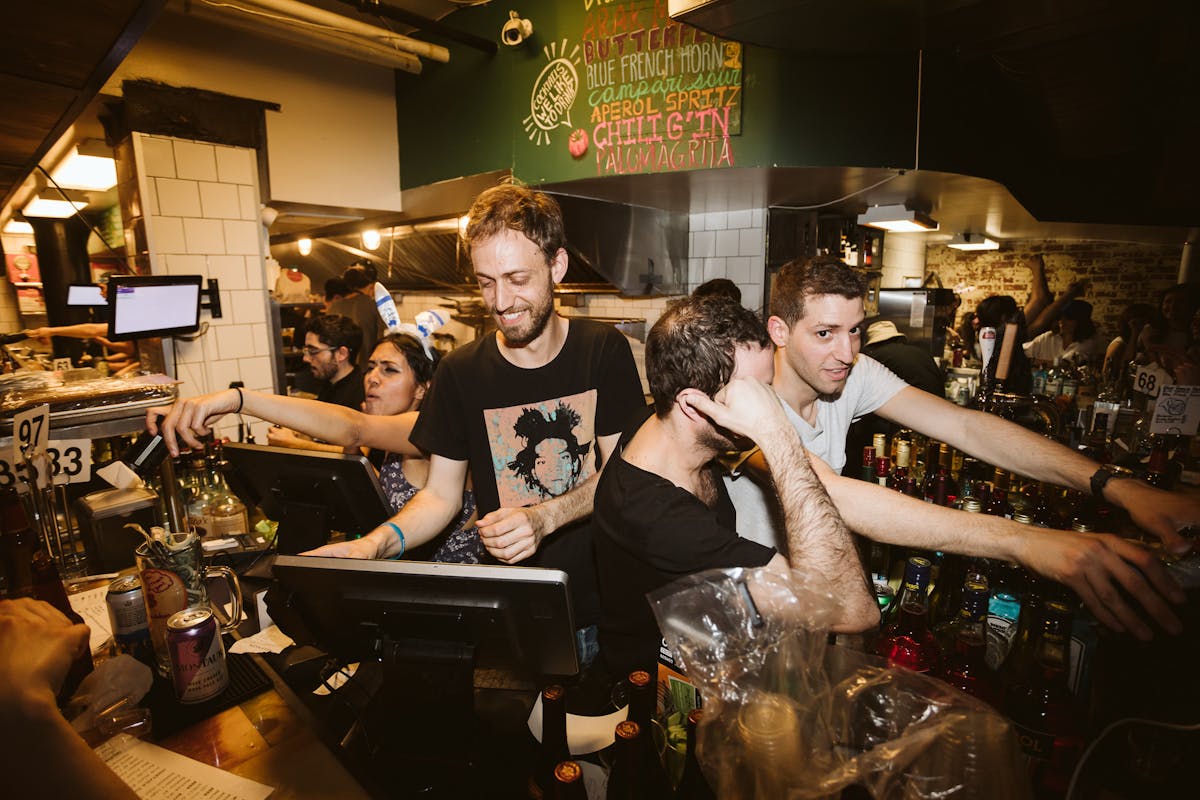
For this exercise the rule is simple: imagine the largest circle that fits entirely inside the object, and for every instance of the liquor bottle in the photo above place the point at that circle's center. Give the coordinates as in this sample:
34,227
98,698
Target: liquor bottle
48,587
1054,380
568,781
693,785
18,543
226,513
553,748
908,641
637,773
868,463
199,496
883,468
1158,472
964,646
900,465
1039,706
955,572
880,443
1004,609
1096,445
1016,666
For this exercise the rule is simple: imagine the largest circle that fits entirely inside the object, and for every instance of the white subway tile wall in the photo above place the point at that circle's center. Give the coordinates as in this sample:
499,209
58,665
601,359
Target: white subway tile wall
201,214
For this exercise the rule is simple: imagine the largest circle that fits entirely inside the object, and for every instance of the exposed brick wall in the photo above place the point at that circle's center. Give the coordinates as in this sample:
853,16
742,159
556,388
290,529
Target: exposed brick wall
1119,274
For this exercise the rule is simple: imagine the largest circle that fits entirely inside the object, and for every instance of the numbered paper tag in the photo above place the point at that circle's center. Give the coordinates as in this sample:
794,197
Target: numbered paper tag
1150,379
1177,410
31,432
62,364
65,461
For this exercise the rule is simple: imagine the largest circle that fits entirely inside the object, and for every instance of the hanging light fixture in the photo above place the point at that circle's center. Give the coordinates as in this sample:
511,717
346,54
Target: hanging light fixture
58,209
89,166
305,246
972,241
371,238
897,219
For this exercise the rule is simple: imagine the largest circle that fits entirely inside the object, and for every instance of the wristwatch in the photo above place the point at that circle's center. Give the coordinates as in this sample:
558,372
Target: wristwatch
1100,479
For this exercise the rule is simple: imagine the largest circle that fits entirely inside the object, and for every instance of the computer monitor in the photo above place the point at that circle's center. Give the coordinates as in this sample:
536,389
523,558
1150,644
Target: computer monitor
153,305
501,616
85,294
308,492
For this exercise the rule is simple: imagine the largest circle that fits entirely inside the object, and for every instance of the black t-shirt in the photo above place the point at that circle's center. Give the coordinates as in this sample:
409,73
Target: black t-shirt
530,434
650,532
346,392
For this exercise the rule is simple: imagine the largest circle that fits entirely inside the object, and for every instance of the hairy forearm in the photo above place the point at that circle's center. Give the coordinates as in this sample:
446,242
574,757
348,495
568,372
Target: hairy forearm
817,537
887,516
567,507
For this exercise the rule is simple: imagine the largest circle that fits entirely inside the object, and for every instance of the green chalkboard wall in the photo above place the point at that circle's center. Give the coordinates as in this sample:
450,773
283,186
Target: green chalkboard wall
617,88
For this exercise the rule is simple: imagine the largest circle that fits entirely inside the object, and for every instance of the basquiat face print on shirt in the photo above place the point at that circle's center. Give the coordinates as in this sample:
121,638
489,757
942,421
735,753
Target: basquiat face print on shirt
542,450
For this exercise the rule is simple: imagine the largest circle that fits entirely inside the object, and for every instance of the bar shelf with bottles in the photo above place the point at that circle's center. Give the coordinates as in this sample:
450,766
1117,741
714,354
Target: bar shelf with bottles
1019,641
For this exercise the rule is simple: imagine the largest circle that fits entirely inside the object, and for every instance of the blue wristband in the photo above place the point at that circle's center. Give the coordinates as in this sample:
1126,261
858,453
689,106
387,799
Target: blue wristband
399,535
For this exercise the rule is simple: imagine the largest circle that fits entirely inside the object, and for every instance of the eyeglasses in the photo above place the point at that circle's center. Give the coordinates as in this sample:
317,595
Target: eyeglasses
310,351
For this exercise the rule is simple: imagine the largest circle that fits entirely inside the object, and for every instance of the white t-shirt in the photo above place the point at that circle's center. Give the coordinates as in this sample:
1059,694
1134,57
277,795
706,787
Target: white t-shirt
869,386
1049,346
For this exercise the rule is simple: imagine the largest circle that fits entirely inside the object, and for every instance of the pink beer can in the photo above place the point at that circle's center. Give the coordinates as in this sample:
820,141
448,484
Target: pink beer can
197,655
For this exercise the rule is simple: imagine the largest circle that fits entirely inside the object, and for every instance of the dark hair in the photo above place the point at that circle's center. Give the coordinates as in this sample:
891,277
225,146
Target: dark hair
692,346
719,286
1081,312
334,330
410,347
996,310
814,276
517,208
335,287
1142,311
356,278
535,427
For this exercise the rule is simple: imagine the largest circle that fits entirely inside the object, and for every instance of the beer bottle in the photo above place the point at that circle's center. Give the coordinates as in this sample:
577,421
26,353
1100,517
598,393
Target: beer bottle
553,749
964,648
908,642
643,698
568,781
18,543
1039,706
48,587
693,785
637,773
1158,472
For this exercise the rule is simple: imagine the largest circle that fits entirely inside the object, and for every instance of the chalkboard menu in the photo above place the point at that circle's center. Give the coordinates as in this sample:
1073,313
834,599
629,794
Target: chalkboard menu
632,91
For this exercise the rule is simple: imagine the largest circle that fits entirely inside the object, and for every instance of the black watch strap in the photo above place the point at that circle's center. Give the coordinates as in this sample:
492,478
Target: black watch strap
1100,479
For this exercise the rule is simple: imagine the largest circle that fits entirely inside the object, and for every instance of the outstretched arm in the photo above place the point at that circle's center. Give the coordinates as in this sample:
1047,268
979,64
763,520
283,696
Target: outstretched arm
1011,447
195,416
1095,566
421,519
514,534
817,536
42,755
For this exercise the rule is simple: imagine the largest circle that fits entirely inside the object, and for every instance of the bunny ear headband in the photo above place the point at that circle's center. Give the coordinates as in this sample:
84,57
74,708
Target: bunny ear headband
418,333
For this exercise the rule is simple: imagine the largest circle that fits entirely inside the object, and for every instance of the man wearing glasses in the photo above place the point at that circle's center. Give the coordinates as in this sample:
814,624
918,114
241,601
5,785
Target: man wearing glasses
330,349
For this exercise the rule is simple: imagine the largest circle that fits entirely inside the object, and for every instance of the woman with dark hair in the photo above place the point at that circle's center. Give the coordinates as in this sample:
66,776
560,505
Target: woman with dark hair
1122,349
997,311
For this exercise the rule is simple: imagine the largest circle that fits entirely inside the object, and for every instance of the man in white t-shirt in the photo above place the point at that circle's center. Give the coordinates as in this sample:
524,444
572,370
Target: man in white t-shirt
816,324
1073,338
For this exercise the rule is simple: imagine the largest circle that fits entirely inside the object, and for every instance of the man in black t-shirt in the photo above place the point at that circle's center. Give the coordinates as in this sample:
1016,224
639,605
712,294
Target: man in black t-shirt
330,350
661,509
533,410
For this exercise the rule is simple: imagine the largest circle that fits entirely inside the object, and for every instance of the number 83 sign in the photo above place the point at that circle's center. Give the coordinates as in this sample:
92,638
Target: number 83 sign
64,460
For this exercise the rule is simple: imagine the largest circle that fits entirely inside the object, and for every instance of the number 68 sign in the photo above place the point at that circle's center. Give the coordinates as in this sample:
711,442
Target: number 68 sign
66,461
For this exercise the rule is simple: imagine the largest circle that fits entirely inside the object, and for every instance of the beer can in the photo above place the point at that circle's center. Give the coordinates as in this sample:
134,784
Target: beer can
197,655
127,614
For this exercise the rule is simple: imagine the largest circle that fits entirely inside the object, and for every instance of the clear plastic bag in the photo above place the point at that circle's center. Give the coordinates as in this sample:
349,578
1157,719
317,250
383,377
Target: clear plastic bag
787,716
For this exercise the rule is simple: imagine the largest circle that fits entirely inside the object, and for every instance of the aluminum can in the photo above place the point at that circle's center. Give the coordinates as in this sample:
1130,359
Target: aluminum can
197,655
126,601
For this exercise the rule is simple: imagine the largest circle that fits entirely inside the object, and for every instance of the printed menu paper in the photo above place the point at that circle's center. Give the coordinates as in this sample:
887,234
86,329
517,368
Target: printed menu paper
155,773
